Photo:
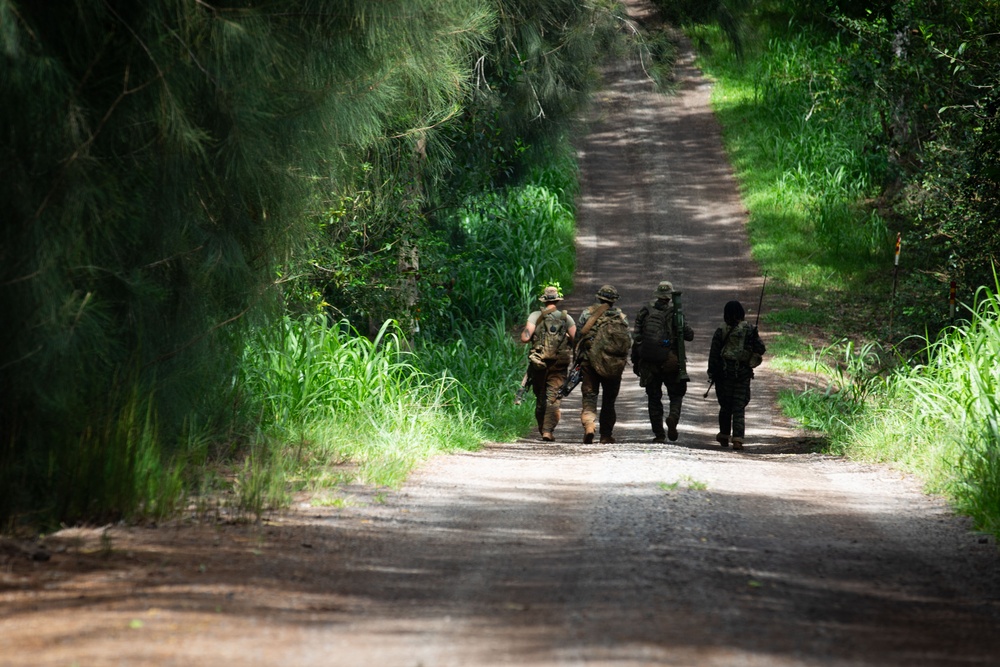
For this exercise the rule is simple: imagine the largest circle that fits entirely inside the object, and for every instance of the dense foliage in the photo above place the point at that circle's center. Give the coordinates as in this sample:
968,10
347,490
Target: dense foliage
176,175
830,170
920,79
935,67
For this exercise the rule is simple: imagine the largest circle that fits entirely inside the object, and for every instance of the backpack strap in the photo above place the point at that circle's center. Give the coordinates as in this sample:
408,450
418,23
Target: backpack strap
545,311
594,316
582,333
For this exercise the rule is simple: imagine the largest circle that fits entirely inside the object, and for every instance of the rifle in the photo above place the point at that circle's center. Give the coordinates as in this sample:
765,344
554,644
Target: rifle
760,302
519,396
573,377
679,330
753,334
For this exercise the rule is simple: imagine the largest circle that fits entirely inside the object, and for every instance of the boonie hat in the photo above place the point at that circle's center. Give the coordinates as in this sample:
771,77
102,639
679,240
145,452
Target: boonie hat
550,294
608,293
665,290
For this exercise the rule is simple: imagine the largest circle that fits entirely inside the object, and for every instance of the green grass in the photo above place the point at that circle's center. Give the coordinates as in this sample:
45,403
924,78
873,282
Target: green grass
942,418
799,146
335,407
936,415
876,392
686,482
331,399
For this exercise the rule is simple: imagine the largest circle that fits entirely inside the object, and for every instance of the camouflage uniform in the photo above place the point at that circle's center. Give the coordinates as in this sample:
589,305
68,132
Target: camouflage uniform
732,381
654,376
593,382
546,382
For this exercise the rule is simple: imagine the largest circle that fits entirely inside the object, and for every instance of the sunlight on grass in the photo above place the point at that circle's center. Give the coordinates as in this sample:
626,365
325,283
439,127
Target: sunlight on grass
800,144
336,407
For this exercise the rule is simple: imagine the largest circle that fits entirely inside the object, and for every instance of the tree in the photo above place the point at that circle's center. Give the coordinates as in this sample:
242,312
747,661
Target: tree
158,159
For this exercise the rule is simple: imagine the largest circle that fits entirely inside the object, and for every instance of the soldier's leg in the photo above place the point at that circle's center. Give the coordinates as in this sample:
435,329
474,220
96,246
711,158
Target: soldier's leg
740,398
654,401
723,393
588,413
539,388
675,392
609,415
555,377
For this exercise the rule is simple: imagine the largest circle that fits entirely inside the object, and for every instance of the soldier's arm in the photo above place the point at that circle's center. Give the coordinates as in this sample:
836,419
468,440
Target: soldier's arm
640,319
715,354
529,328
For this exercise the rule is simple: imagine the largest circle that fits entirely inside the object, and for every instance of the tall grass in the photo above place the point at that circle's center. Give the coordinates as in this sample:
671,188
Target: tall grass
938,418
119,469
330,398
488,363
514,240
942,417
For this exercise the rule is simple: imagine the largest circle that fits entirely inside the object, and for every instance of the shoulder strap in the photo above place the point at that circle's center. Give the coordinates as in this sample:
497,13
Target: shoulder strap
594,316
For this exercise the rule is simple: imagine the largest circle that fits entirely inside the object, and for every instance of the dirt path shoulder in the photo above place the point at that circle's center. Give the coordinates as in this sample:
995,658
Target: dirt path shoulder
545,554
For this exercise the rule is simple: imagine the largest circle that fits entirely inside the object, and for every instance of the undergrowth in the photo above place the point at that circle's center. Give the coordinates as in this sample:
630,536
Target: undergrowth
801,146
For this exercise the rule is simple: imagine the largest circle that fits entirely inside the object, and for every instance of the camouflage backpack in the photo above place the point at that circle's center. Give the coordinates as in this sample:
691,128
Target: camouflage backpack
737,349
551,339
610,345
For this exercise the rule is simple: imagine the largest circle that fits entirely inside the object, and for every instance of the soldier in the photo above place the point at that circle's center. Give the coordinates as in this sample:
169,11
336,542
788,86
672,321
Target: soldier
550,332
602,350
658,358
736,351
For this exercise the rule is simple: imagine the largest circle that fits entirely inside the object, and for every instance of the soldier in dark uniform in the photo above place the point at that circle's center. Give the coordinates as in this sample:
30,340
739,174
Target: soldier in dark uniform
736,350
657,362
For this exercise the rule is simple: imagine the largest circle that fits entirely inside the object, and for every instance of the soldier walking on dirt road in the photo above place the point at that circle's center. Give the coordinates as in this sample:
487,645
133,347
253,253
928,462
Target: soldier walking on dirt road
602,349
550,332
658,359
736,351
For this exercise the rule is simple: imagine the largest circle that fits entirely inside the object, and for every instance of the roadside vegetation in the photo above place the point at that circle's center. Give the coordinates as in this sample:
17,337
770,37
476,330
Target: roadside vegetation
851,125
251,252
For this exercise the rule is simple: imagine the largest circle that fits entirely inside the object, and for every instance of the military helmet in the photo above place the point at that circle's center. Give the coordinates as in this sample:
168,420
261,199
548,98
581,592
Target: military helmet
665,290
607,293
550,295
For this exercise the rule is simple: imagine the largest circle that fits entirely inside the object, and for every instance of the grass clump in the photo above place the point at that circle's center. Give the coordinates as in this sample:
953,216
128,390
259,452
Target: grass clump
941,418
330,399
936,414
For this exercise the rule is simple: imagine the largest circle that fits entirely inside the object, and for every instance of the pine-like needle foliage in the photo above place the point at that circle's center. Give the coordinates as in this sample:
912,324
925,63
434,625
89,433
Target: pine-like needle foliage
155,162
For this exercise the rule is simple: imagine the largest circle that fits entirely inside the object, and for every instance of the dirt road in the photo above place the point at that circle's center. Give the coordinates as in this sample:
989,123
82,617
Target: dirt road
546,554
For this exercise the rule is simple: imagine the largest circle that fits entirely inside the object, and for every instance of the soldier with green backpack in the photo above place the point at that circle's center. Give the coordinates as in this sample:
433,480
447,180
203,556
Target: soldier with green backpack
602,350
550,333
658,357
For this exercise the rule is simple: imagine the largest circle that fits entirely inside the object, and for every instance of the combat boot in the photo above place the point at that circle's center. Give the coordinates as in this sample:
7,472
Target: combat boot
672,428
